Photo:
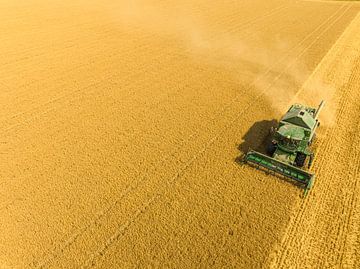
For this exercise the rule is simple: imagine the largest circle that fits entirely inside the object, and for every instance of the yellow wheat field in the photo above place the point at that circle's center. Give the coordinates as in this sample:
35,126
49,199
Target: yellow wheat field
121,122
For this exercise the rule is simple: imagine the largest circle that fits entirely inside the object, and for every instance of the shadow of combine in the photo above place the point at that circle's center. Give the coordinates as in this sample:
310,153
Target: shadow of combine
257,138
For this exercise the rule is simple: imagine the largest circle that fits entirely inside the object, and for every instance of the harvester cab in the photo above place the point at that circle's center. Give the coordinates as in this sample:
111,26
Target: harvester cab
289,148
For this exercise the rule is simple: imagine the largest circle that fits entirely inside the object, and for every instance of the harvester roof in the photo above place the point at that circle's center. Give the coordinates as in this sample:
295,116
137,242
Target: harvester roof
291,132
299,116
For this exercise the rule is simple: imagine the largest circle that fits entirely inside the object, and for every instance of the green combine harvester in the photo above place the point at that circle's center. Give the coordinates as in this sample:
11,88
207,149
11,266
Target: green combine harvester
289,147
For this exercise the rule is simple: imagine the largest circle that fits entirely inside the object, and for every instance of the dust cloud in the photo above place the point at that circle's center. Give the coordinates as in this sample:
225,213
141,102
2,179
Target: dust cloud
278,74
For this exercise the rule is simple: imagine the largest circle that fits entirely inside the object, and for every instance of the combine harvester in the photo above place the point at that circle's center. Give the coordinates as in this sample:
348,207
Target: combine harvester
289,148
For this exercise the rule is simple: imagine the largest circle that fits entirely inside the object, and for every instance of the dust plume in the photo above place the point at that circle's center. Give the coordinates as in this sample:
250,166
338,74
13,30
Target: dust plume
275,71
313,91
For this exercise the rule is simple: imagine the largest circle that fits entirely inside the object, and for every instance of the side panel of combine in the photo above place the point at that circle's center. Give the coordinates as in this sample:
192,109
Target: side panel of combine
304,178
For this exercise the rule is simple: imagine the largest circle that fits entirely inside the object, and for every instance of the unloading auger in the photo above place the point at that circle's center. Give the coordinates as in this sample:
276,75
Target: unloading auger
289,147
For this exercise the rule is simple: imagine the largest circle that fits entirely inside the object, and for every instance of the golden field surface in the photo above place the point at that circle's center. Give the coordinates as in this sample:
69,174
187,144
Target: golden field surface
122,122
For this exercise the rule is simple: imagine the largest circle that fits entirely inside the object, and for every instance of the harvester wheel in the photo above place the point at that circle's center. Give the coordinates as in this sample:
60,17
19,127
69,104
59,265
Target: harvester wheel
311,160
300,159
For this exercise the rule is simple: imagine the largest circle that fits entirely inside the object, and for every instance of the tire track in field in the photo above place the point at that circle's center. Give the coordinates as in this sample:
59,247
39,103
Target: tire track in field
247,24
124,227
64,52
322,194
65,94
319,27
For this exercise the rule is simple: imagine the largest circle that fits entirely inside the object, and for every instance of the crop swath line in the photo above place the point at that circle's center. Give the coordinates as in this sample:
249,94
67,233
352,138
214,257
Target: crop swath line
260,18
63,51
238,26
73,237
80,90
124,227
